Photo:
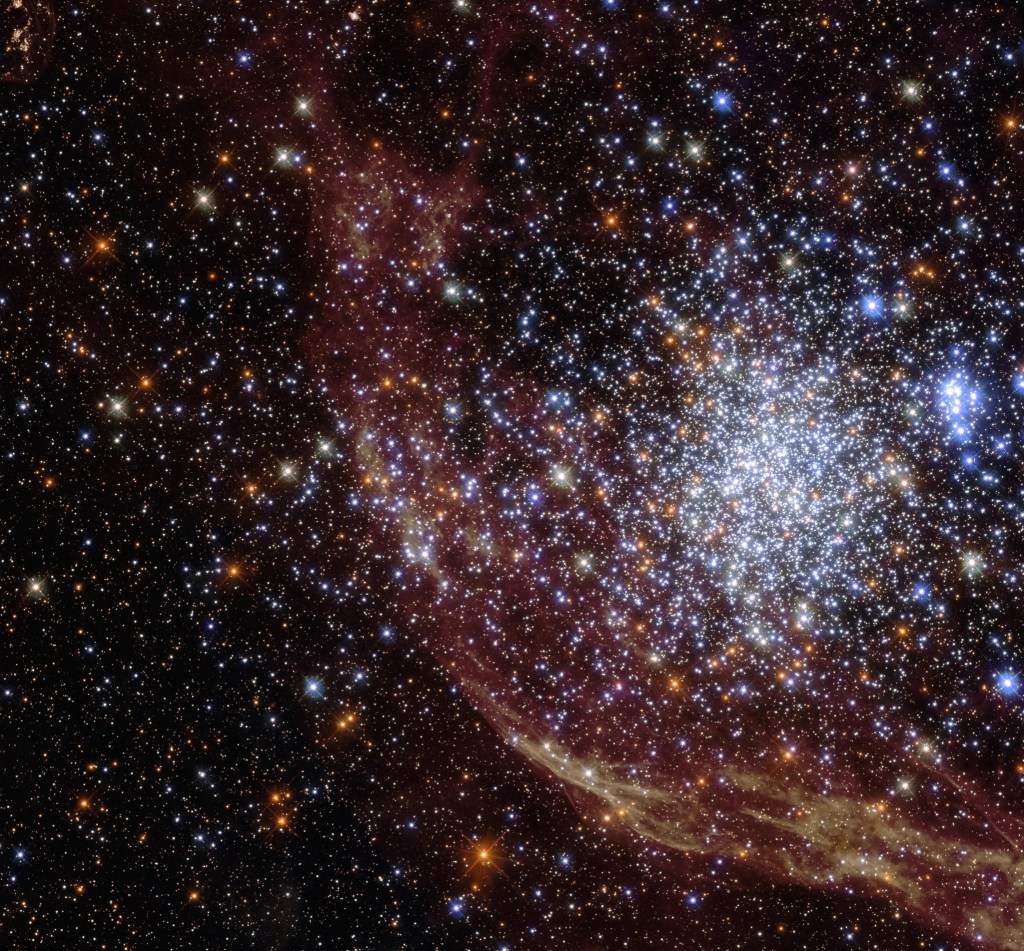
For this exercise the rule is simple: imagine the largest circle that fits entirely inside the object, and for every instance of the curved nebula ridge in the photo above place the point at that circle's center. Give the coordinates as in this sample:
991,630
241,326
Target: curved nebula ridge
680,514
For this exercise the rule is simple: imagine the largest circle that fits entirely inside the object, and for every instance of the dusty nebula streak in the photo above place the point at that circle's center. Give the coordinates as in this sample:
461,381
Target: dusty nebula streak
669,420
28,29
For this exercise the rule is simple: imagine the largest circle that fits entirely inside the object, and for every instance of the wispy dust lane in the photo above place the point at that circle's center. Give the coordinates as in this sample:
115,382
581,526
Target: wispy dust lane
28,30
655,495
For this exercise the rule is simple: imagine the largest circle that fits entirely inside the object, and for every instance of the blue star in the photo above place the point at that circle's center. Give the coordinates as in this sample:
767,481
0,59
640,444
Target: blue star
722,101
872,306
1008,684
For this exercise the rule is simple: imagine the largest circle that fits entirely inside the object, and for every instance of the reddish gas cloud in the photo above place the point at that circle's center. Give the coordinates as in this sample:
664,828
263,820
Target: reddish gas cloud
560,657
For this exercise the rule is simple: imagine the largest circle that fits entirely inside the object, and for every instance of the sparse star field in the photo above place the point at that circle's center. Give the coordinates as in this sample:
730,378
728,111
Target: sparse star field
513,476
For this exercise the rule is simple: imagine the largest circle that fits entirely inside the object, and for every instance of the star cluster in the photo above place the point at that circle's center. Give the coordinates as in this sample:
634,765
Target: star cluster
513,475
